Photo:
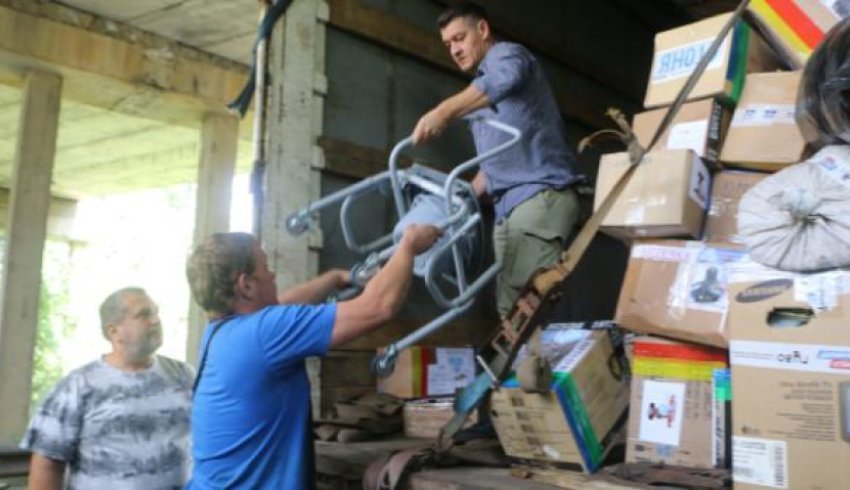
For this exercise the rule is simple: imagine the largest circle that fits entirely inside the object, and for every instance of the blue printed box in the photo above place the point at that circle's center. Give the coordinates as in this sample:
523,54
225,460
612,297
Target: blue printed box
583,415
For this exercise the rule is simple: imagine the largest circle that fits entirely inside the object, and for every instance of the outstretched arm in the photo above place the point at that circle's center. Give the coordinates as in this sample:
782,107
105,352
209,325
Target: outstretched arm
435,121
385,293
315,290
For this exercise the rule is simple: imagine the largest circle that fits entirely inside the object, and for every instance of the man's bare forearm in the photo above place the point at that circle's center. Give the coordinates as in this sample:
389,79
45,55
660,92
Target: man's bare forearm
315,290
380,300
434,121
46,473
392,283
385,293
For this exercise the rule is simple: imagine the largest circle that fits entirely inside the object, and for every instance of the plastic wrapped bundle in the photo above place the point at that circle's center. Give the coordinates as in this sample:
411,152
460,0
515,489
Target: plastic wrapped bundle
429,209
799,219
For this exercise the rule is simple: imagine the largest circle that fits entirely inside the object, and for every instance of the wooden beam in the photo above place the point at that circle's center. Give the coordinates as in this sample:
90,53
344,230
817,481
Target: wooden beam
467,330
350,159
212,211
390,31
27,220
114,66
355,161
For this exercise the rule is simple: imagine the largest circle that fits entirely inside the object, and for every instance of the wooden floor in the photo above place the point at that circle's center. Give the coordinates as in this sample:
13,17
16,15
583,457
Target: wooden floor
347,461
475,478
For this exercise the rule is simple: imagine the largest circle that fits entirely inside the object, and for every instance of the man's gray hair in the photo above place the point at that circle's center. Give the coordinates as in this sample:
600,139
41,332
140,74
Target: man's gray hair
112,309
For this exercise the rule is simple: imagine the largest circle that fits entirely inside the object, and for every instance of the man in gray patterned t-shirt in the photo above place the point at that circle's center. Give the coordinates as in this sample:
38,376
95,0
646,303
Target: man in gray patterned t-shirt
121,421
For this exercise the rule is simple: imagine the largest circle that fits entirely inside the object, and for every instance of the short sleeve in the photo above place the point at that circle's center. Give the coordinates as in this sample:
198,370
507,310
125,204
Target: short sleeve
182,373
504,69
289,334
54,430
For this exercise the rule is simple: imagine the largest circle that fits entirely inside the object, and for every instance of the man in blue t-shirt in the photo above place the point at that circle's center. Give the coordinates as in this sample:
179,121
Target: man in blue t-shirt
251,412
531,183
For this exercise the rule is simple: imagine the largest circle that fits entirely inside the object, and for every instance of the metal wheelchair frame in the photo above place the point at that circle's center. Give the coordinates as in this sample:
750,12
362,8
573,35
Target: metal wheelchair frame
463,215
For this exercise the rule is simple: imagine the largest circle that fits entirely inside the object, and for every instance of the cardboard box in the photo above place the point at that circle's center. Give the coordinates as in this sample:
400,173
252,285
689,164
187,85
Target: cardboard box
795,27
677,289
582,418
429,371
763,134
699,125
790,355
674,408
678,51
666,197
727,189
425,418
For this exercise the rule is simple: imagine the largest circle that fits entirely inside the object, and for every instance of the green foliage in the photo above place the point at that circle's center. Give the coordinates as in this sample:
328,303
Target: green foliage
53,323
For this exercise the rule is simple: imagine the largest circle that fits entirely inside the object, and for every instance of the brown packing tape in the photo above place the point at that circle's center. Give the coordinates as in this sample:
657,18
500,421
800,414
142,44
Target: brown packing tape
678,48
728,187
699,125
763,134
665,197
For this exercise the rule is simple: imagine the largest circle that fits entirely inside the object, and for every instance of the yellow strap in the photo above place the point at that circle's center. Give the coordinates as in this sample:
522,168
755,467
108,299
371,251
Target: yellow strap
688,370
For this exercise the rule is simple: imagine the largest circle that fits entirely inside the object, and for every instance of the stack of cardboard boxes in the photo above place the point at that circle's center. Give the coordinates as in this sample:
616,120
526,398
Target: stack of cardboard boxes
706,314
427,378
790,355
796,27
583,416
732,364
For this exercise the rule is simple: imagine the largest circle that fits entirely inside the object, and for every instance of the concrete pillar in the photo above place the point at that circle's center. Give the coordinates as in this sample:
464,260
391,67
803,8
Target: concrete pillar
26,231
219,135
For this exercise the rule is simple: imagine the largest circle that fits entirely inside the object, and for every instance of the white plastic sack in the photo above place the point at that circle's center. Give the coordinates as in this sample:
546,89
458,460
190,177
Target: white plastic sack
799,218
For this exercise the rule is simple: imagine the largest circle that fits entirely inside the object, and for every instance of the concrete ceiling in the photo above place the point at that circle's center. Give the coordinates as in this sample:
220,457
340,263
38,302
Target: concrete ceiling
222,27
102,151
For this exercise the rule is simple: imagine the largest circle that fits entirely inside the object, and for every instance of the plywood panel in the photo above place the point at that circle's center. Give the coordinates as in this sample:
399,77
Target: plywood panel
417,89
421,13
358,90
370,216
596,39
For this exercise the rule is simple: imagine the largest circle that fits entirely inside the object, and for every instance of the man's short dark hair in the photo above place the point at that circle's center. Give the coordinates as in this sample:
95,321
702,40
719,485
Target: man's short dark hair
463,9
214,267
